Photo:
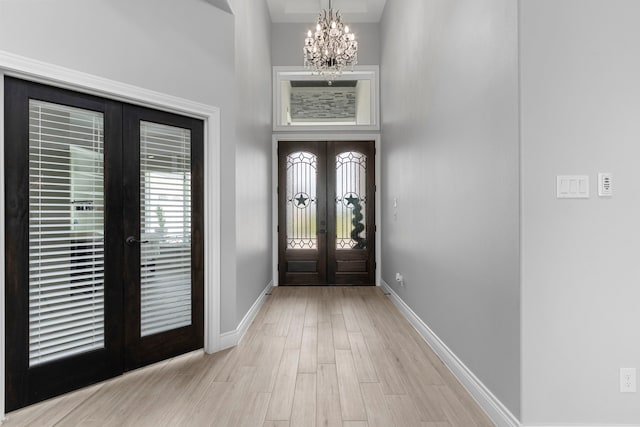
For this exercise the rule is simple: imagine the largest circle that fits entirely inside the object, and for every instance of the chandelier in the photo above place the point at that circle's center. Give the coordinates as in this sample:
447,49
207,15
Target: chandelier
332,47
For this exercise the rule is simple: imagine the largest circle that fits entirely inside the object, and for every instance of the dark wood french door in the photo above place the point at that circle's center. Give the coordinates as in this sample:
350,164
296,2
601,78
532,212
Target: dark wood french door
326,213
104,239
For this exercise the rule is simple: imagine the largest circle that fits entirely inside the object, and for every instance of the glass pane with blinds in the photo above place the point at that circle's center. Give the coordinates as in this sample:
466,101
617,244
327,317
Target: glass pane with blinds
66,231
351,200
165,227
301,201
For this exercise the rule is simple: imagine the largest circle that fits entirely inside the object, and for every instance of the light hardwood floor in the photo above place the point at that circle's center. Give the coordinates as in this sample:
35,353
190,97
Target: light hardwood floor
314,356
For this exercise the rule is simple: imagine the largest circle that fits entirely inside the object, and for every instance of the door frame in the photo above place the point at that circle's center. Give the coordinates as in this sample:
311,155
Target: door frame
316,136
53,75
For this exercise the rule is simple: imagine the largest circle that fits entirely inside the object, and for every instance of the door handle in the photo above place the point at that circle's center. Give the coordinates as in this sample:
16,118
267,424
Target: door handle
132,241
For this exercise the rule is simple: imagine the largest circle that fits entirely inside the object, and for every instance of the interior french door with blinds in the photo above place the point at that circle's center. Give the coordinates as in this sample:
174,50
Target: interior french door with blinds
104,239
326,215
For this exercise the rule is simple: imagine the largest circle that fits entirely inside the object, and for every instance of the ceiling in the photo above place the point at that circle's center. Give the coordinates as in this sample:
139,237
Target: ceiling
306,11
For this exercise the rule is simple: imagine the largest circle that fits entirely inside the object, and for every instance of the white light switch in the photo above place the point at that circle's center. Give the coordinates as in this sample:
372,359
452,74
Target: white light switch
605,185
572,187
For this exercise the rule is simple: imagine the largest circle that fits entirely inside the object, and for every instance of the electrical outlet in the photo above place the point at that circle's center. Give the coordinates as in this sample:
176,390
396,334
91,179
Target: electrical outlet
400,279
628,380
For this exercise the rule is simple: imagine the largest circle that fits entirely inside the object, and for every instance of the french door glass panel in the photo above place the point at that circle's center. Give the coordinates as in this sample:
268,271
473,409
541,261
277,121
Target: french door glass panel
165,227
351,200
66,231
301,201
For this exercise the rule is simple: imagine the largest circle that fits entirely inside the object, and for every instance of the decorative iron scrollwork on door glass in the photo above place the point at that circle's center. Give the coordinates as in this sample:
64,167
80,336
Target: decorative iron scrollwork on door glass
301,201
351,200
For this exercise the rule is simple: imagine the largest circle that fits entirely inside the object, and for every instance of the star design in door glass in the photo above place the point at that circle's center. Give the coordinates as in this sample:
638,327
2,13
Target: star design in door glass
301,200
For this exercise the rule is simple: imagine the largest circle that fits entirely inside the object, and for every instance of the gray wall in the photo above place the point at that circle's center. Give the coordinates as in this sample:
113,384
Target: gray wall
253,152
580,273
287,41
449,82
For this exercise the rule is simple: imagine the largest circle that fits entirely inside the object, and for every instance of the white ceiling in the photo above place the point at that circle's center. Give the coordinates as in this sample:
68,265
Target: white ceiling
307,10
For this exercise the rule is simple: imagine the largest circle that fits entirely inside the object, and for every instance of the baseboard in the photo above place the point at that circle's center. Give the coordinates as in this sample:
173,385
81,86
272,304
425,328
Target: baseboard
232,338
494,408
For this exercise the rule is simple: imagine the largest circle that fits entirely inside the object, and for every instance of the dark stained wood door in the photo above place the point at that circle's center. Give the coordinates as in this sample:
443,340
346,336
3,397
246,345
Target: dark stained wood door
63,225
302,213
104,239
164,228
351,213
326,213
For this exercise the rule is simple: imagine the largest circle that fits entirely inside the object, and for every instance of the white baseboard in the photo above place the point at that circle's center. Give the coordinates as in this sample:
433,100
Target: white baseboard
494,408
231,338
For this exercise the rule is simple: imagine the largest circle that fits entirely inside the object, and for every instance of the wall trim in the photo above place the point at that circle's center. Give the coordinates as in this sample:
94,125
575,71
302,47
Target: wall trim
494,408
324,136
232,338
54,75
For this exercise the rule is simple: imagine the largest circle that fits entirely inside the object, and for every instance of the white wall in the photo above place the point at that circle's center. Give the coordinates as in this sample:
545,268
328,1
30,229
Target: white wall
580,273
450,126
287,41
253,152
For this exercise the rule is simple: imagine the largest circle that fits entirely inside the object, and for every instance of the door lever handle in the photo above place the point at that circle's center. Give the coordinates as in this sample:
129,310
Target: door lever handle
132,241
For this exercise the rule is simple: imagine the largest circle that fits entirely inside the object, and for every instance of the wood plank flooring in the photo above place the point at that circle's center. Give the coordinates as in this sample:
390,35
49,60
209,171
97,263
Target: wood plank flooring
314,356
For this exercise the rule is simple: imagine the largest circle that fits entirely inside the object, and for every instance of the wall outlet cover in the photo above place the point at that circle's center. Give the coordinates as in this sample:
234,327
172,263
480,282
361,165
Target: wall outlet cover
628,380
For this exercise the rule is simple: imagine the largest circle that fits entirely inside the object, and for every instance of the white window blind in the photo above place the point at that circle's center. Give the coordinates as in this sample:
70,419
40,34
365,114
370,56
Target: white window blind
66,231
165,223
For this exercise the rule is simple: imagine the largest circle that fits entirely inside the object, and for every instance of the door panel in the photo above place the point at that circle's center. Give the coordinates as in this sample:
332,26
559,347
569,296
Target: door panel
63,228
163,192
351,188
326,213
302,213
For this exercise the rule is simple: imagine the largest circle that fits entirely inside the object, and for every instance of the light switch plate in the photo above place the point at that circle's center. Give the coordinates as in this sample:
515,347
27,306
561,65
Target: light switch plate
572,186
605,185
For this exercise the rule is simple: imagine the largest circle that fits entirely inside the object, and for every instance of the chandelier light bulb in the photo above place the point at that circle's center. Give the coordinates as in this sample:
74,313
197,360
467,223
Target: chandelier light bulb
309,34
333,24
318,27
346,29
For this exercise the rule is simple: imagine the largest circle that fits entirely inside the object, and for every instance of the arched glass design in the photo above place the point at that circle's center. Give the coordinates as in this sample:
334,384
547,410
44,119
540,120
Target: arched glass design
302,201
351,200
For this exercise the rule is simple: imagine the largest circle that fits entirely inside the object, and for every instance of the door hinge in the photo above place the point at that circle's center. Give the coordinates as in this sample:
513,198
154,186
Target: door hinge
375,228
278,228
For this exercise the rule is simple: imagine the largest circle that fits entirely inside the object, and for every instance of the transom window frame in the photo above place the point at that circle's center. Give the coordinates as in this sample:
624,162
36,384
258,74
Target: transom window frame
360,72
